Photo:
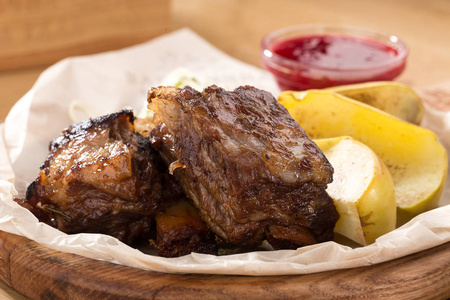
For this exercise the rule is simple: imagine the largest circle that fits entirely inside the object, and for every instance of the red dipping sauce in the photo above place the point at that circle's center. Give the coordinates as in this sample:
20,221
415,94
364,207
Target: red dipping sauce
321,60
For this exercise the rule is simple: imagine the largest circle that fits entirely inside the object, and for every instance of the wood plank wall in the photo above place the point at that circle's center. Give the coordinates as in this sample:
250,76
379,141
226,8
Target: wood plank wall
41,32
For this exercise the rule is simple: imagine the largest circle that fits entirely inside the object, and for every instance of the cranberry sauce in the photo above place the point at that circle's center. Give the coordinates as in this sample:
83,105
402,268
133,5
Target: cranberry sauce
320,61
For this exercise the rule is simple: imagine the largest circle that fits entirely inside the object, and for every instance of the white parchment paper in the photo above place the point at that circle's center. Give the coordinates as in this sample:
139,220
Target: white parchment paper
108,82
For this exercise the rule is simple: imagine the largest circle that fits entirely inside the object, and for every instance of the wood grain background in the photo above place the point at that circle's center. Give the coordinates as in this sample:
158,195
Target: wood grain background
41,32
40,273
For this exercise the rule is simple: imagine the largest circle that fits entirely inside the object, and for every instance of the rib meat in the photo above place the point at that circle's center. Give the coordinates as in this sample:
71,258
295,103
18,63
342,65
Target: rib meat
103,177
180,231
246,164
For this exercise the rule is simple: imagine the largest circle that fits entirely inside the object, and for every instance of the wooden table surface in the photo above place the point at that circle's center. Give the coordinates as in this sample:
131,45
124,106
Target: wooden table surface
234,26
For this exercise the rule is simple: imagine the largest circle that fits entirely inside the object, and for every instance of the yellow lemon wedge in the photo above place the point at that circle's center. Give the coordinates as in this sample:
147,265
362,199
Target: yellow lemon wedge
362,190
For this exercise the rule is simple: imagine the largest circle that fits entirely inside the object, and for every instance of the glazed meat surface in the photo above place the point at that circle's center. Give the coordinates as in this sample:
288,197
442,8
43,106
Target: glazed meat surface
103,177
246,164
180,230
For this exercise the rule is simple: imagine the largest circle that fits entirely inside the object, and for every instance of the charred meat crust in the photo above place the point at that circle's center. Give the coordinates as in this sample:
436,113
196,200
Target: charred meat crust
248,167
101,176
246,164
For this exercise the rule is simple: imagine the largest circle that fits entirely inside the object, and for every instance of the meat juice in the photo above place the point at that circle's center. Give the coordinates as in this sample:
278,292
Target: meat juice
320,61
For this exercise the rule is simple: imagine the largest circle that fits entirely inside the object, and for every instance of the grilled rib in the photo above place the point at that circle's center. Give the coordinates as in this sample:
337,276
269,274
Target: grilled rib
181,230
246,164
102,176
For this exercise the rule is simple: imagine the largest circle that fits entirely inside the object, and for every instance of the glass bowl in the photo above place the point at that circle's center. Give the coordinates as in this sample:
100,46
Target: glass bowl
315,56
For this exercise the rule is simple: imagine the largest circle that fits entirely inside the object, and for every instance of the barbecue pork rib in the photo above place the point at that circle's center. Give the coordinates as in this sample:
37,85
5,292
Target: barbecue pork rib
102,176
180,230
246,164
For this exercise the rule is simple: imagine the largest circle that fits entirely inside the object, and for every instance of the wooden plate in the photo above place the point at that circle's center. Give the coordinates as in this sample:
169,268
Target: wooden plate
41,273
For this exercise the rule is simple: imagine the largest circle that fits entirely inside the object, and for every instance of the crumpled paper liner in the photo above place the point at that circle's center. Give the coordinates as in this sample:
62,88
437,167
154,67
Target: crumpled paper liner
110,81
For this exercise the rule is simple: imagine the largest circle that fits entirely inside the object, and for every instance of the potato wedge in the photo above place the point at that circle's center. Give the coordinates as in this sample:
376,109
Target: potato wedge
415,158
394,98
362,190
